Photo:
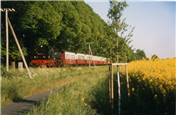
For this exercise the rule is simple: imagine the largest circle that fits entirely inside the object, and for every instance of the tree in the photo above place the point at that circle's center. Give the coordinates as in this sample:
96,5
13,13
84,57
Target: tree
154,56
41,22
115,13
66,25
3,43
140,54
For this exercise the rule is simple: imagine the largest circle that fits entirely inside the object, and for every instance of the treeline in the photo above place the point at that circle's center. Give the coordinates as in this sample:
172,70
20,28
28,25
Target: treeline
66,25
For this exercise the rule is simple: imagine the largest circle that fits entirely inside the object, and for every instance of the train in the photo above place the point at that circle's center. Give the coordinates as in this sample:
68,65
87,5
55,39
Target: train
47,56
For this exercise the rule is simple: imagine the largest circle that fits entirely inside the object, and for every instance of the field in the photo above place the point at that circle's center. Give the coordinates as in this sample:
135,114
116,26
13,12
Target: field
152,89
152,85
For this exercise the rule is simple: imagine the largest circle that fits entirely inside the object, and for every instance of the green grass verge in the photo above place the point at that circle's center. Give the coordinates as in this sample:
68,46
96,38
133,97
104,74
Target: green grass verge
16,85
87,96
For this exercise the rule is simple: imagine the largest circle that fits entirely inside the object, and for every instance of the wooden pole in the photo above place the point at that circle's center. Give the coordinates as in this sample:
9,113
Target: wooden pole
112,90
7,41
110,84
127,84
92,56
89,52
19,48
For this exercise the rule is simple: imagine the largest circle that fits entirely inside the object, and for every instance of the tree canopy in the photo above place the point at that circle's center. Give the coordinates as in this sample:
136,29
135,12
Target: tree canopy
66,25
140,54
121,50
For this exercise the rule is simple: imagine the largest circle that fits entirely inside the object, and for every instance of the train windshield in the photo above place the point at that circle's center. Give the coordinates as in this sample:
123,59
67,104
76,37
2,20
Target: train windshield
50,48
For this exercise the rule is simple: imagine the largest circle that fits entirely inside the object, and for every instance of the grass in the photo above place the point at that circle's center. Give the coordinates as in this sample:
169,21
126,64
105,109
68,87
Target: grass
88,96
16,85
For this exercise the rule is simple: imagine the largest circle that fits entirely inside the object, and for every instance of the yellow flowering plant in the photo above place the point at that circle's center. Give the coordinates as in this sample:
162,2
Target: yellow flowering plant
152,81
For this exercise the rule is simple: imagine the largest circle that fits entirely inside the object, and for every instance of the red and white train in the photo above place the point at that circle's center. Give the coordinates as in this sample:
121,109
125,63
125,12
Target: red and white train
47,56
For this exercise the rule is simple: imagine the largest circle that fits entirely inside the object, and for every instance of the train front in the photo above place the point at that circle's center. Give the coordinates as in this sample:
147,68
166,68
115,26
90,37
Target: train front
44,56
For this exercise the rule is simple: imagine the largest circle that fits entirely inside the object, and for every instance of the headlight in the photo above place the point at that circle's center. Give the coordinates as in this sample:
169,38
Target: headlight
43,56
34,56
48,56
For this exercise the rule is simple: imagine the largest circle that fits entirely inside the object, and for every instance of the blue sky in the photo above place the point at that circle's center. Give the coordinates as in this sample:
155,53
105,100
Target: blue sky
154,23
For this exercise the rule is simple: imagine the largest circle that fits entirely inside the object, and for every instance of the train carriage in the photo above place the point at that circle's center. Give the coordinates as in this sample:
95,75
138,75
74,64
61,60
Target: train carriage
68,57
80,59
96,59
101,60
104,60
87,59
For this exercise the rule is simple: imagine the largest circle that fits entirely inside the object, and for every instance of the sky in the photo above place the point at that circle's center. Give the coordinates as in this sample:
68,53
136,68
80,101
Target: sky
154,23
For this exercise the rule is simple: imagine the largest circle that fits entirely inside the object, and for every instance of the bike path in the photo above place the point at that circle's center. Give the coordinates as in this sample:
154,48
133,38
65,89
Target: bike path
26,104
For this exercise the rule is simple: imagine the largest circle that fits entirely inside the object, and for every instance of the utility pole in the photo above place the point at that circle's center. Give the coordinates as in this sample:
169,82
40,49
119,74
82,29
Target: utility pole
7,36
92,56
16,40
89,52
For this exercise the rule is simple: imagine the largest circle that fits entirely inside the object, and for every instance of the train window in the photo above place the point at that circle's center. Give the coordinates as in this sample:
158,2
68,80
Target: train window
66,56
90,58
72,56
52,49
80,57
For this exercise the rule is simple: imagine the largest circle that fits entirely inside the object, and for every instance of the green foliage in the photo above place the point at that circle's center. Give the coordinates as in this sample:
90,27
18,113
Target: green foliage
3,43
15,53
115,13
122,52
39,22
42,41
154,56
3,51
140,54
66,25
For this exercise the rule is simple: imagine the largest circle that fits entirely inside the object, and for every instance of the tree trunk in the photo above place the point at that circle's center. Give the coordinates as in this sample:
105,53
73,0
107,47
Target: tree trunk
117,46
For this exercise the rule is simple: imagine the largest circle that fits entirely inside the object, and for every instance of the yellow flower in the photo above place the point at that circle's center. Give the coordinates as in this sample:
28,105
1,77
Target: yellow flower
54,100
85,104
133,89
82,99
57,94
78,91
155,97
158,74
